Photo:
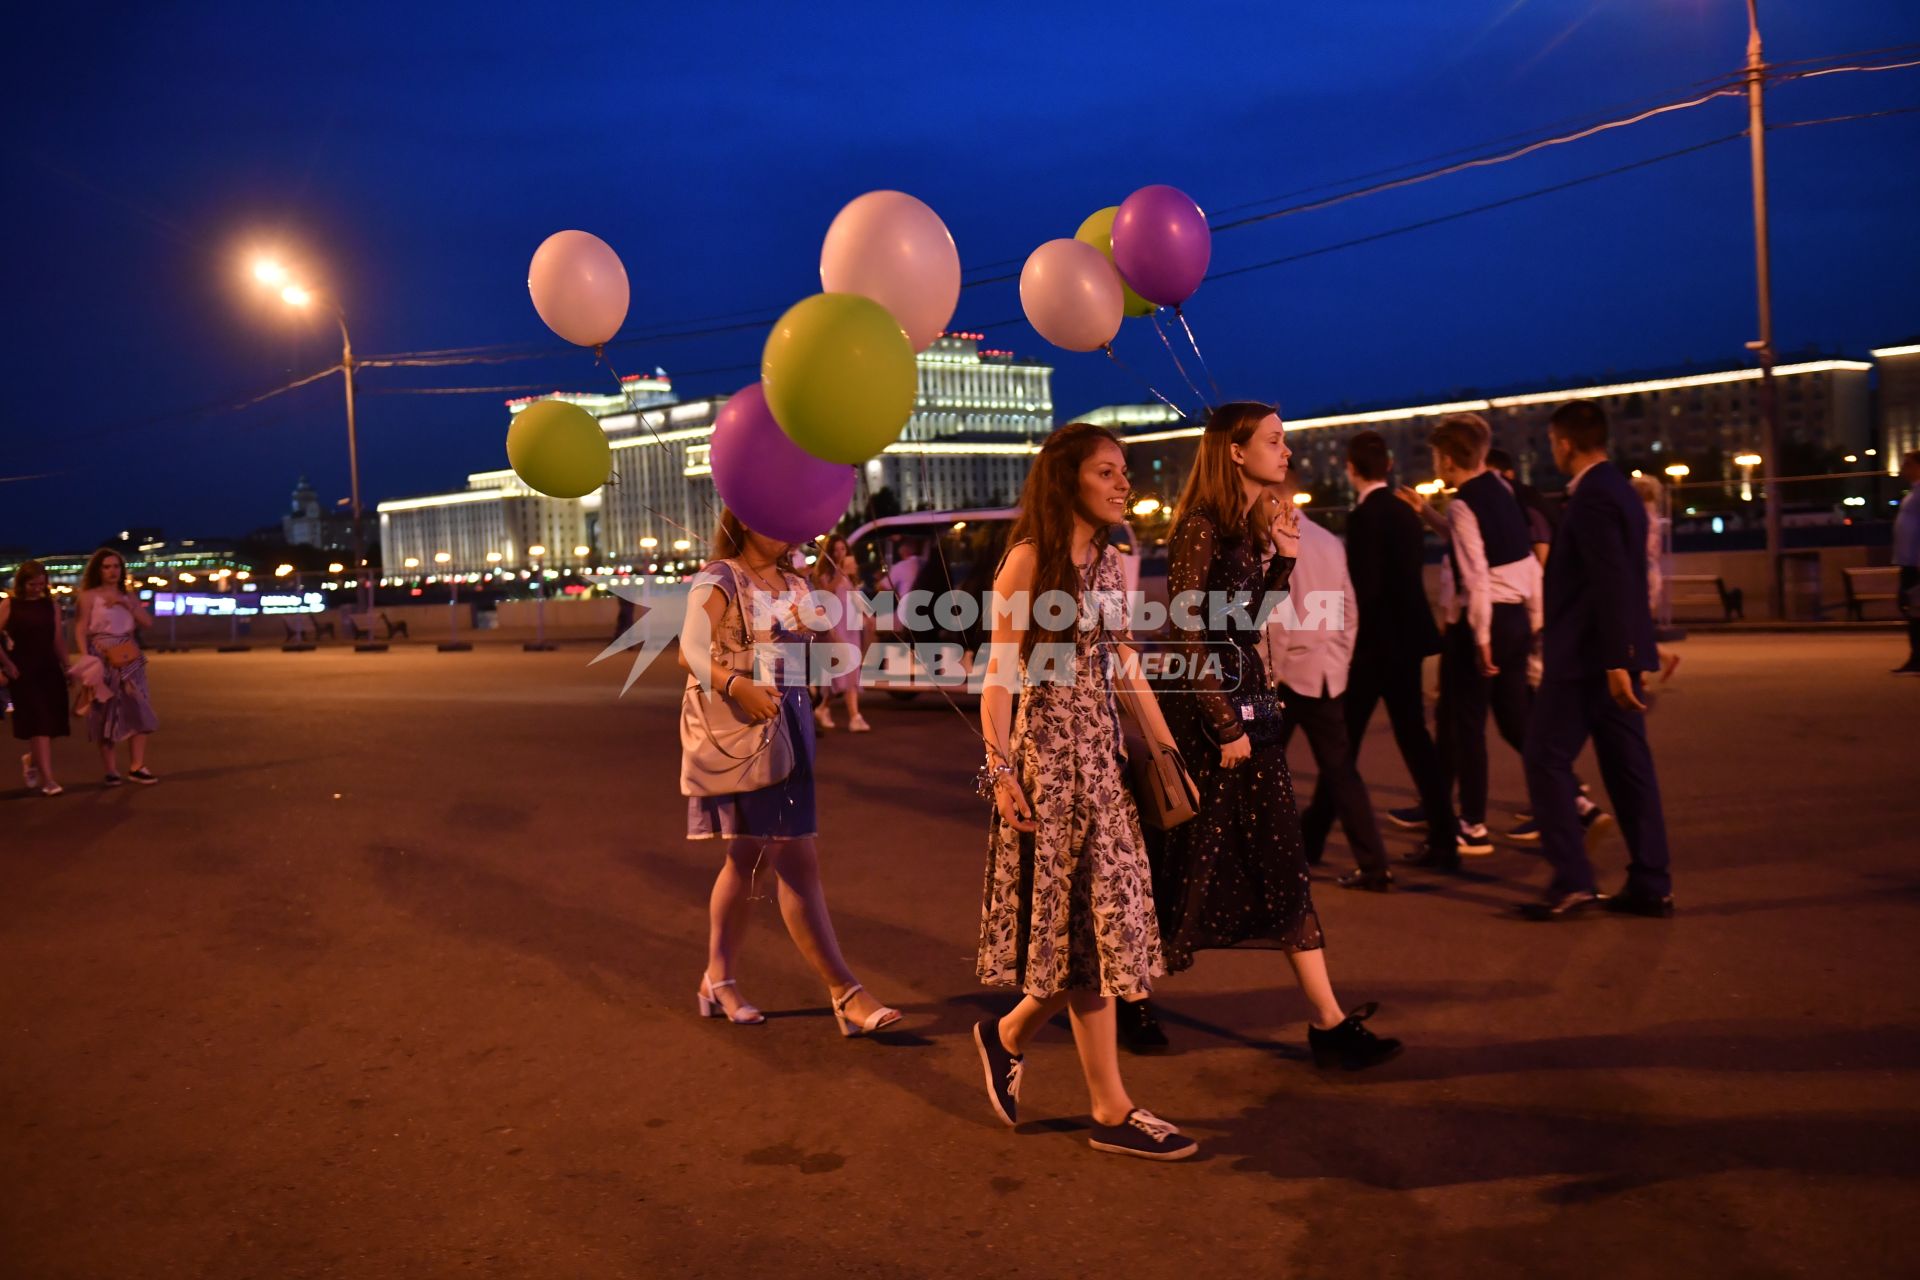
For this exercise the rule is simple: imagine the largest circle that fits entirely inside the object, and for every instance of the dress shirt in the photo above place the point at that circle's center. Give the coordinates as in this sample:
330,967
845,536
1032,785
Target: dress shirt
1314,660
1481,586
1366,489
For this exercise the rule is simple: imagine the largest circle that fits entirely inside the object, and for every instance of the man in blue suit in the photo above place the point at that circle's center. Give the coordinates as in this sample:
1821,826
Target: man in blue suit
1598,640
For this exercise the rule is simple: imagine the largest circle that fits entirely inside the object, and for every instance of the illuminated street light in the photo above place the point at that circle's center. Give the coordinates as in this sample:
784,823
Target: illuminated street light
335,567
681,544
269,272
1146,506
1746,460
1430,488
536,550
186,577
294,296
412,562
649,542
243,575
1302,498
281,571
441,557
1679,470
582,551
493,557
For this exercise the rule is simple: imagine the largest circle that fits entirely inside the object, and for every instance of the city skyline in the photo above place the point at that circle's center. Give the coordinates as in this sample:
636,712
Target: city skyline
419,199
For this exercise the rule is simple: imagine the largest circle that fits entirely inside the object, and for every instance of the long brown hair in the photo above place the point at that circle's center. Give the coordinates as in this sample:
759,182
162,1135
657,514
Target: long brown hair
31,569
1213,487
826,569
1047,506
92,577
729,537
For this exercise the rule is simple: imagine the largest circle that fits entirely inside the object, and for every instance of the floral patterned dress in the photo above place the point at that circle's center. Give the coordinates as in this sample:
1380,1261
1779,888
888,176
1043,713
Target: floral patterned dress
1070,907
1236,875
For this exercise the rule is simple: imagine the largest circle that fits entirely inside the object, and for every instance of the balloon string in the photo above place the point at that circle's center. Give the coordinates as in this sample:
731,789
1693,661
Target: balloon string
1181,315
600,358
1198,395
946,575
1182,414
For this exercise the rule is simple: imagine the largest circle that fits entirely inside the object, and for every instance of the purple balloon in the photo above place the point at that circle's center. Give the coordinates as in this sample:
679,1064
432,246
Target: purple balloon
776,488
1161,244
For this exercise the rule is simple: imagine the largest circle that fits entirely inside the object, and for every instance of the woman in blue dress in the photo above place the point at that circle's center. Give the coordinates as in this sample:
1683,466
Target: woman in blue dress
748,614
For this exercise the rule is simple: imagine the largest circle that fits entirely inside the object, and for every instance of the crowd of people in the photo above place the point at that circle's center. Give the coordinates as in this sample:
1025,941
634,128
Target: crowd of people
98,672
1547,628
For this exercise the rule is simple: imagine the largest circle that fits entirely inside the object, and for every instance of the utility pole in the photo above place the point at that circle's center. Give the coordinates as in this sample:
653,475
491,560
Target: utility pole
1763,348
353,470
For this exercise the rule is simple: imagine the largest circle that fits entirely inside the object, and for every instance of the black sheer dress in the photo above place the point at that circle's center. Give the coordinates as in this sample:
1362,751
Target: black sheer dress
1236,875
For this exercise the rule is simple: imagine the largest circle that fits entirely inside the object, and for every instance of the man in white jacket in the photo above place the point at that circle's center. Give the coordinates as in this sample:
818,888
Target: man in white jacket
1308,666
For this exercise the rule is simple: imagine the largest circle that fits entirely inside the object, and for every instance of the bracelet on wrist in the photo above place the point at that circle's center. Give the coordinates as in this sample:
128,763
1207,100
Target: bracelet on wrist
989,777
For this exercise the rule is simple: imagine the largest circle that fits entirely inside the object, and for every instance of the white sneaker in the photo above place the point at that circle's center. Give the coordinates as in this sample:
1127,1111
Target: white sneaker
859,725
27,771
823,718
1474,840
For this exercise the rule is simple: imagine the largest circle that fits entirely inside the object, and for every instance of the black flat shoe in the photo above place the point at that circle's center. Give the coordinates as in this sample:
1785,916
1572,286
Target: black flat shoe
1144,1135
1566,906
1139,1029
1371,881
1629,903
1002,1070
1435,859
1350,1046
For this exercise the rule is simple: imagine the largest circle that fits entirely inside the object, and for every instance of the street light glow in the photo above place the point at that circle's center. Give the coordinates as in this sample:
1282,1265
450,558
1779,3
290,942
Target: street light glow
493,557
1679,470
1746,460
581,551
1146,506
441,557
536,550
1302,498
281,571
335,567
411,562
269,272
649,542
294,296
681,544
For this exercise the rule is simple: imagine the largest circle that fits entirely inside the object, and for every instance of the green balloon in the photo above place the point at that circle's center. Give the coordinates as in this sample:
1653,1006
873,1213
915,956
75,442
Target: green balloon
840,376
1097,231
558,449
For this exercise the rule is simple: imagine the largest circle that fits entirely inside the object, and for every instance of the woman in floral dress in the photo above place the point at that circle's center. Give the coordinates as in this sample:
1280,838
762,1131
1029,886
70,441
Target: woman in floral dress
1068,916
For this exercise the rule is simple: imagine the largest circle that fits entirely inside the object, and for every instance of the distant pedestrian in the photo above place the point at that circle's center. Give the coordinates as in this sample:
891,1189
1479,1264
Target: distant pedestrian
1653,499
834,579
108,619
1309,666
747,612
1598,643
1906,555
34,667
1068,915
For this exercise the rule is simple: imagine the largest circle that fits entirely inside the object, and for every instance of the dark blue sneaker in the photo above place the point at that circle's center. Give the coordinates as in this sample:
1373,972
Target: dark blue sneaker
1527,832
1002,1070
1411,818
1145,1135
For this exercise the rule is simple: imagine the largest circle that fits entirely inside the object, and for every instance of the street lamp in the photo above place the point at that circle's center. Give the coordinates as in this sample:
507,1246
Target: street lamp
453,643
1301,498
582,552
1146,507
270,273
1746,462
411,562
1762,346
681,544
1679,470
649,542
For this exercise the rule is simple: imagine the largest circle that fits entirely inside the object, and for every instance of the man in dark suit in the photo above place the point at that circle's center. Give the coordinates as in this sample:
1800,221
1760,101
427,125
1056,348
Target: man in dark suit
1385,552
1598,642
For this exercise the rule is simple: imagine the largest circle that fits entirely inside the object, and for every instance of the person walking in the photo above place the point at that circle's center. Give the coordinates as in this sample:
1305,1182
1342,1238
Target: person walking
746,611
1386,549
1599,641
834,575
1493,613
34,667
1906,555
1068,915
1308,665
108,617
1236,874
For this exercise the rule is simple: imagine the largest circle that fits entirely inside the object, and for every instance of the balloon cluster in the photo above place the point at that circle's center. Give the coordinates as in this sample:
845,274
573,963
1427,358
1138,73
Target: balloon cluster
1149,251
838,377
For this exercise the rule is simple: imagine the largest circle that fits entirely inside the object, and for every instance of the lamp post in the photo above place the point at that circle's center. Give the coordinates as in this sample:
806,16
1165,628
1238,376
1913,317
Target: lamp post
1763,280
539,645
453,643
270,273
1746,462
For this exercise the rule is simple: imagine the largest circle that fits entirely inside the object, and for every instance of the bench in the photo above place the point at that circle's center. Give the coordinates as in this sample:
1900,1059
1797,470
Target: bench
1705,588
359,631
305,630
1877,585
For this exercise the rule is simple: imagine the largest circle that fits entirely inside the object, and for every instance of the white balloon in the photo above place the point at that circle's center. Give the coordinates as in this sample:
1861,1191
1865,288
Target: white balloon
579,287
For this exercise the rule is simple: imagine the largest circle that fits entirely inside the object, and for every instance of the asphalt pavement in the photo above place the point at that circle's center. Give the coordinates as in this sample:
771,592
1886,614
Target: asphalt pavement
393,975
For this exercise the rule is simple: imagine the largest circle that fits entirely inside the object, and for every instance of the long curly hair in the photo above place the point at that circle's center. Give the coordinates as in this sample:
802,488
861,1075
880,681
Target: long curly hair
1213,486
92,577
1047,506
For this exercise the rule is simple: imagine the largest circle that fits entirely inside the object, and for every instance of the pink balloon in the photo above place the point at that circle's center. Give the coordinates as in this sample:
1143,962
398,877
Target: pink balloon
776,488
1071,294
578,287
1161,244
892,248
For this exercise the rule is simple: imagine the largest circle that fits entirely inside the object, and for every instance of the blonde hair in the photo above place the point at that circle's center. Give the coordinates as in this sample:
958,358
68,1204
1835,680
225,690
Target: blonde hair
1213,487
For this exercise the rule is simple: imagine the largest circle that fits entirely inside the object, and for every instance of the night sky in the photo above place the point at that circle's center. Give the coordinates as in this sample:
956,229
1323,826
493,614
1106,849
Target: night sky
412,156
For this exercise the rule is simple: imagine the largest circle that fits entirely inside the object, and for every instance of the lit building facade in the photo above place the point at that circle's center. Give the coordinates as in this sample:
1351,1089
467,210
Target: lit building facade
1899,394
979,419
1705,420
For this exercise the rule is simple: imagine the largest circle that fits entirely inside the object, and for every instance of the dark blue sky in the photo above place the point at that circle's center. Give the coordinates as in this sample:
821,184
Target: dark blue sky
414,155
